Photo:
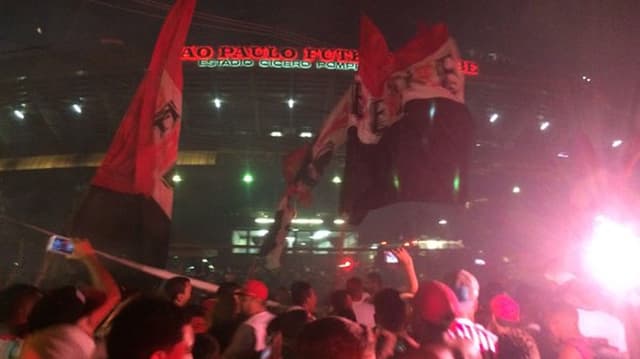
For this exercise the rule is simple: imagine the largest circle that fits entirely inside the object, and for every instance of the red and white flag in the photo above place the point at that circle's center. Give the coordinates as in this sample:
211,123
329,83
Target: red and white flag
145,147
127,211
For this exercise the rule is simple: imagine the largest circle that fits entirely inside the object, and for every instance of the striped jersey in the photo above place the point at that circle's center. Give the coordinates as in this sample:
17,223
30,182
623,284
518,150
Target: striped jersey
463,328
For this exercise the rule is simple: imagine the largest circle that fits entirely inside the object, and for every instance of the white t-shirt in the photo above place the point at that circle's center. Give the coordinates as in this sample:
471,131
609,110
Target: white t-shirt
364,311
597,324
259,323
60,341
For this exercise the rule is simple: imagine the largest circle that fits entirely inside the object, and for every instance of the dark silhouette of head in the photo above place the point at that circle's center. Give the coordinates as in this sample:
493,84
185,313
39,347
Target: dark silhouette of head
148,327
330,337
302,294
16,303
391,311
178,290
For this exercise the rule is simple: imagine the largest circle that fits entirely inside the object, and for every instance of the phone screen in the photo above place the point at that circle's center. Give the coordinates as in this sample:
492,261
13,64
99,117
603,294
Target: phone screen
390,257
62,245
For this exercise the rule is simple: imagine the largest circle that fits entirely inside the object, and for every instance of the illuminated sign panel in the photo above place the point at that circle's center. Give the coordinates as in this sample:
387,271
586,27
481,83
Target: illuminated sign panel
469,68
273,57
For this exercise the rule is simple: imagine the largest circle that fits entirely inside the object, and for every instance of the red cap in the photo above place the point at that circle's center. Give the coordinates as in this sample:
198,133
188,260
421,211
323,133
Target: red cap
255,288
505,308
436,303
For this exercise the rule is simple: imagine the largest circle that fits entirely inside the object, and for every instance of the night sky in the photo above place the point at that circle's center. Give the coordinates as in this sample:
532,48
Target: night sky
581,36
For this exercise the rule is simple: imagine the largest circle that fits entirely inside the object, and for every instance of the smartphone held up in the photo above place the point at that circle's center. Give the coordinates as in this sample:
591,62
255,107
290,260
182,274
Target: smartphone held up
60,245
390,258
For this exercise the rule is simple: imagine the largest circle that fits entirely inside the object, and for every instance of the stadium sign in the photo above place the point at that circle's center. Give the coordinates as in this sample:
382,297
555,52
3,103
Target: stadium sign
273,57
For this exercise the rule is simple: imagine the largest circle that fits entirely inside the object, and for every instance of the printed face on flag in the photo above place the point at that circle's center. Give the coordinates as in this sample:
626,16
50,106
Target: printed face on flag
168,110
450,74
437,75
166,125
376,114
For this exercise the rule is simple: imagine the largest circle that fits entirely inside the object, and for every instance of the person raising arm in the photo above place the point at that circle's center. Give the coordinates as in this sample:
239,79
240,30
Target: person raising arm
405,260
101,280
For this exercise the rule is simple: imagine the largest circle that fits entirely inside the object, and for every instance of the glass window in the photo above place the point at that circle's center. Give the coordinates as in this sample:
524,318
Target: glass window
240,238
257,237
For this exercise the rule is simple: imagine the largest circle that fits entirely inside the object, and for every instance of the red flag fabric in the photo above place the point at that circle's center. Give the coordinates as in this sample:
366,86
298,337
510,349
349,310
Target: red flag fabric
145,147
414,133
376,108
423,159
376,67
304,166
427,41
127,211
301,169
293,162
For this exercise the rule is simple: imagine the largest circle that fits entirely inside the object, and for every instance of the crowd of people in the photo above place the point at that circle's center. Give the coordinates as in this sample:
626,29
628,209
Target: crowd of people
363,319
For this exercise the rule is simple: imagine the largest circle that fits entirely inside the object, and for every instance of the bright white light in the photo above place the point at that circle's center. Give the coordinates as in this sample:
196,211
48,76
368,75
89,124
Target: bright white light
338,221
205,260
190,268
19,114
616,143
262,232
211,267
336,179
306,134
290,241
432,110
544,125
39,30
321,234
264,220
346,264
291,102
217,102
313,221
584,77
431,244
176,178
612,256
276,134
516,189
588,79
494,117
77,108
480,262
442,222
563,155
